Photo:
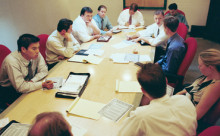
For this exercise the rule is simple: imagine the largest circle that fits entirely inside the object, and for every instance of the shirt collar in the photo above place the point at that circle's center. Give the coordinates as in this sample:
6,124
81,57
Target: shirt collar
162,99
23,60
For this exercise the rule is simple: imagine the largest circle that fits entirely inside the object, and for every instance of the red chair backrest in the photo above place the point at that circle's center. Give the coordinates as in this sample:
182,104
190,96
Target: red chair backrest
179,11
43,41
182,30
4,51
191,45
211,131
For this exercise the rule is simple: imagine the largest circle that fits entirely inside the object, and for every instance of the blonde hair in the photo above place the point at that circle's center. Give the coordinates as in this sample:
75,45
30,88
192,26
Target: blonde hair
211,57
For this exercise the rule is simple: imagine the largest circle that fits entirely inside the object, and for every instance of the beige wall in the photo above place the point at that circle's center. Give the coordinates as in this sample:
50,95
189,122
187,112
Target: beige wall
41,16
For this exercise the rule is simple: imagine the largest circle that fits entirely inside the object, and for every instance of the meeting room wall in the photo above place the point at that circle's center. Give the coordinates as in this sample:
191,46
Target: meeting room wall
41,16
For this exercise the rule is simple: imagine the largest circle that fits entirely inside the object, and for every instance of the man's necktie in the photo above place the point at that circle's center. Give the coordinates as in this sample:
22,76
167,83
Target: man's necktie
130,20
30,72
158,31
102,24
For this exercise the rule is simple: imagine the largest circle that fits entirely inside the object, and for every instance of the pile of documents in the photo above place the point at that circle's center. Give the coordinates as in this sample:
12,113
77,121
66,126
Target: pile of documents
126,58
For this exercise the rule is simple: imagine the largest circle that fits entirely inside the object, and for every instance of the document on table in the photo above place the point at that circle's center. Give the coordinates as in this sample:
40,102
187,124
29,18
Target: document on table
77,130
128,86
97,52
86,59
74,84
16,129
57,82
85,108
170,90
95,46
123,44
115,109
126,58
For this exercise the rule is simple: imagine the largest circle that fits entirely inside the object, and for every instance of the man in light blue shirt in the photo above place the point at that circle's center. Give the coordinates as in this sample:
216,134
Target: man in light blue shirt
102,20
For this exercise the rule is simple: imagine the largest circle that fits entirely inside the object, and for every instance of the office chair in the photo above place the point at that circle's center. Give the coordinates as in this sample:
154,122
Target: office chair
211,131
176,80
182,30
4,51
179,11
43,41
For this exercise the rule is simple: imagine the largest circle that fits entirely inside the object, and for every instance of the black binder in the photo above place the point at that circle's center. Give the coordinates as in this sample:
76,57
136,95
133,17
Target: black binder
73,95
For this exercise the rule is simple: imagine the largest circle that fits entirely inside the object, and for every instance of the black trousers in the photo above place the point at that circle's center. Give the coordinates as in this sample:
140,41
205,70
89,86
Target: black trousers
8,95
159,53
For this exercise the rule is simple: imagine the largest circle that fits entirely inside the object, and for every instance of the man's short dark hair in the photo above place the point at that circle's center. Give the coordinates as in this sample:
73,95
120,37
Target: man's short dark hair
64,24
152,80
26,40
102,6
172,6
158,12
85,9
134,7
171,22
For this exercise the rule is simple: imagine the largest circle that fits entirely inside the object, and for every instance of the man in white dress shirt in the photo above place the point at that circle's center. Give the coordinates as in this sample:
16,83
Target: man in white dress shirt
153,35
84,27
131,16
61,44
22,70
165,115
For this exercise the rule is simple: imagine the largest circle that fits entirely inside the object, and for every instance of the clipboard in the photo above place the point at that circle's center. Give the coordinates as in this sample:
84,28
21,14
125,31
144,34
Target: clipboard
104,38
72,95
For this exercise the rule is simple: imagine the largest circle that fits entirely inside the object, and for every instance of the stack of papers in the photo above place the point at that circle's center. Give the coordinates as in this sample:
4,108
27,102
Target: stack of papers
95,46
96,52
85,108
126,58
74,84
170,90
115,110
128,86
86,59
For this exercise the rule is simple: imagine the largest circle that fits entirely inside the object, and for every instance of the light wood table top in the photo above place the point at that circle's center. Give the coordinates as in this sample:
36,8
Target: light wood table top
100,88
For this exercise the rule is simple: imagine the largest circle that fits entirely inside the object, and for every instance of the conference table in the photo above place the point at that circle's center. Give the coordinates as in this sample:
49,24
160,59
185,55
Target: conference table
100,88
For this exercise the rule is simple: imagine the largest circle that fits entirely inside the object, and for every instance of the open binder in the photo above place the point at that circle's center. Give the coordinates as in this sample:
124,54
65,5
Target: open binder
74,86
104,38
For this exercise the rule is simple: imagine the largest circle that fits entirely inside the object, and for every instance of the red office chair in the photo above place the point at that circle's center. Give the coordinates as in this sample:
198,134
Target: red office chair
43,41
211,131
177,80
4,51
182,30
179,11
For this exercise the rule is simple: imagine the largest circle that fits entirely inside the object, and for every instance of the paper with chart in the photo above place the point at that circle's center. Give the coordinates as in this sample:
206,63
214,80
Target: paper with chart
170,90
119,58
128,86
85,108
74,84
16,129
115,109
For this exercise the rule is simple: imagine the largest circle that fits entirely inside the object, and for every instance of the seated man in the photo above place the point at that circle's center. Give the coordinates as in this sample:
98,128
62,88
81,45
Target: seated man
173,12
168,116
154,35
50,124
131,16
102,20
22,70
84,27
61,44
175,50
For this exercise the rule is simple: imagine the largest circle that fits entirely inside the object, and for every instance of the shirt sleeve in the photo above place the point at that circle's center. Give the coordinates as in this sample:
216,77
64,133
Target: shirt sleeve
57,47
122,18
132,127
140,18
41,69
158,40
81,32
17,79
108,25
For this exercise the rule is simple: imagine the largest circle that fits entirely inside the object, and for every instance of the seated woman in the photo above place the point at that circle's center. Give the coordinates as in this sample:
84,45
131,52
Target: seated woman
205,92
